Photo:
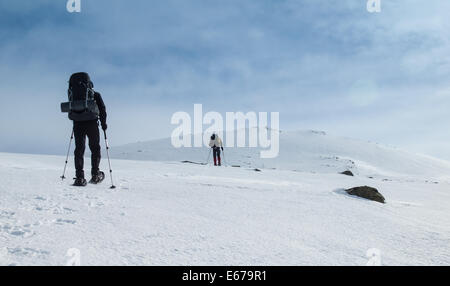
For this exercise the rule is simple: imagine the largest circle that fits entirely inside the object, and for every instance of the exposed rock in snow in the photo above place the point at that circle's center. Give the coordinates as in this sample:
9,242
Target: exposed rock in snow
367,193
347,173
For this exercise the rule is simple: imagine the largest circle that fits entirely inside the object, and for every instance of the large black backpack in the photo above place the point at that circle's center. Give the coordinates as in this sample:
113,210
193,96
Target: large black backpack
81,105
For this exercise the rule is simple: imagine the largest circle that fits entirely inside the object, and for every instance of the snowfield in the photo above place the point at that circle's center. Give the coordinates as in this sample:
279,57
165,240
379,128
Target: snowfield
293,212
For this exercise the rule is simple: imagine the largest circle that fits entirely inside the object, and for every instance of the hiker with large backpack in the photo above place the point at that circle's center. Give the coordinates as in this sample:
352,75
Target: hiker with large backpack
86,108
216,144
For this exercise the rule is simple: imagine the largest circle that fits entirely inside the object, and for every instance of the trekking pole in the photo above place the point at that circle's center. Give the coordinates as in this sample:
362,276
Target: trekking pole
109,161
209,155
67,157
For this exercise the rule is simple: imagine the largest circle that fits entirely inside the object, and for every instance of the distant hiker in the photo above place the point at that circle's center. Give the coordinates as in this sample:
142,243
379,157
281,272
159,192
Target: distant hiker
216,144
86,108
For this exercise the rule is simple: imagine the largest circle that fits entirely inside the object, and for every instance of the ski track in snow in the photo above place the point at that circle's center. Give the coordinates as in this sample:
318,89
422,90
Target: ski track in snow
168,213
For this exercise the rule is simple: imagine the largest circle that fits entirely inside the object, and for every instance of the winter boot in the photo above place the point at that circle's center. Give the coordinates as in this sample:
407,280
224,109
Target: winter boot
97,178
220,164
80,182
215,162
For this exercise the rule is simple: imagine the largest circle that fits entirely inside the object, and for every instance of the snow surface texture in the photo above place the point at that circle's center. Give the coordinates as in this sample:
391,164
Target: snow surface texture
171,213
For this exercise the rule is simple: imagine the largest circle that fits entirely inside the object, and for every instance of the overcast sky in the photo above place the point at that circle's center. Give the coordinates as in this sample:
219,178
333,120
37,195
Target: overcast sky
326,65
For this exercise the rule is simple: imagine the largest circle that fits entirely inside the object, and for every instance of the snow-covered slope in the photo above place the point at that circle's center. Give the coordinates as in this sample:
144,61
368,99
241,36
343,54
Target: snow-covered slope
304,151
169,213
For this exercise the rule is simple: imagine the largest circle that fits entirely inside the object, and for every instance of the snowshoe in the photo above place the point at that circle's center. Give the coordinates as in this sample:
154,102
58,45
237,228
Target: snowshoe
98,178
80,182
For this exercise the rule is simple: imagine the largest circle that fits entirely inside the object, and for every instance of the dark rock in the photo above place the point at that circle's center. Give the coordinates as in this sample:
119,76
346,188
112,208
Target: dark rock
347,173
367,193
257,170
323,133
190,162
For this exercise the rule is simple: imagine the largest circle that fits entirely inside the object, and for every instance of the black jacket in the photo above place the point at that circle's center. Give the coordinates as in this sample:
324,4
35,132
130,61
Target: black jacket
101,107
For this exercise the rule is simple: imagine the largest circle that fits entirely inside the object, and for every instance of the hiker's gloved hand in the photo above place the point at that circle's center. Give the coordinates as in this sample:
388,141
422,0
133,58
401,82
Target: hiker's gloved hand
104,126
222,148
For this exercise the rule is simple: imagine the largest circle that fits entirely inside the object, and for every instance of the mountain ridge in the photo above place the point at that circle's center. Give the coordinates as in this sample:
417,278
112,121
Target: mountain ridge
304,151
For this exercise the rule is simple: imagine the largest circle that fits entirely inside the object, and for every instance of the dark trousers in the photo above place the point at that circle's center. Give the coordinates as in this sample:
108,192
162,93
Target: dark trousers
216,154
81,130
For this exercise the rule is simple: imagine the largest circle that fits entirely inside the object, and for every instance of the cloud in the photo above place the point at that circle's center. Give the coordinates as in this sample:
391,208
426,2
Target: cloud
330,65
